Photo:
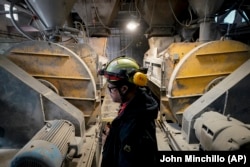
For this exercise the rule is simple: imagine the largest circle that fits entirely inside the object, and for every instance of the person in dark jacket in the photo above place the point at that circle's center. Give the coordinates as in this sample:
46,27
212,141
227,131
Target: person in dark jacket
132,137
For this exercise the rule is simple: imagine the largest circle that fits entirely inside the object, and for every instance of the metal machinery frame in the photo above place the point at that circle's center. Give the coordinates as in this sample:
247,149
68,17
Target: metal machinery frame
46,88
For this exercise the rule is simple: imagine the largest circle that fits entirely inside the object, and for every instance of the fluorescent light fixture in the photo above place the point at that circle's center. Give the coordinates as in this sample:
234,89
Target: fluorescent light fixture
132,25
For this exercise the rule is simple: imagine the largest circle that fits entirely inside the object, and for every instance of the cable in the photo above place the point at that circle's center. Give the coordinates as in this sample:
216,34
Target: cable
150,24
84,32
187,25
86,24
99,17
205,12
14,22
119,51
42,33
136,7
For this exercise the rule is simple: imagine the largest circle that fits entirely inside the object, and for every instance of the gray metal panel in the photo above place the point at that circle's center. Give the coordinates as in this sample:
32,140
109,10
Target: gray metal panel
52,13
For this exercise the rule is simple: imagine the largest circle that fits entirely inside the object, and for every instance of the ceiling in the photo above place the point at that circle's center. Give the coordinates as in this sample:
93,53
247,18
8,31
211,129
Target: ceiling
52,20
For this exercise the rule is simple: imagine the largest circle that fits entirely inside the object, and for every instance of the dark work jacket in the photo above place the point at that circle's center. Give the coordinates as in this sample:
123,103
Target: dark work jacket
132,140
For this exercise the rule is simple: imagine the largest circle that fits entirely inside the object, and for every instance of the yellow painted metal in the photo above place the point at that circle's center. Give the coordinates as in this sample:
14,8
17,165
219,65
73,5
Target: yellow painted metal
192,67
68,72
205,63
160,68
174,53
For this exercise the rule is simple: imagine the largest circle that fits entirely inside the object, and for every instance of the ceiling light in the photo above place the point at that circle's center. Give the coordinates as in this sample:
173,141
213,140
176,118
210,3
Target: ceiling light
132,25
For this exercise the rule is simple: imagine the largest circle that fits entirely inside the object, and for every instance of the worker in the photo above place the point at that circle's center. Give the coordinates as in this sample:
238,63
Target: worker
132,137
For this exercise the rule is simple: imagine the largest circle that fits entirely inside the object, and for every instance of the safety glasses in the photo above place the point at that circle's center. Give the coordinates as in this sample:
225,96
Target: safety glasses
111,89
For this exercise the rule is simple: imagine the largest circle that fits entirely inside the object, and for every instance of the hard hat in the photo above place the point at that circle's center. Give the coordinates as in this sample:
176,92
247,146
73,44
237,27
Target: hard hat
125,68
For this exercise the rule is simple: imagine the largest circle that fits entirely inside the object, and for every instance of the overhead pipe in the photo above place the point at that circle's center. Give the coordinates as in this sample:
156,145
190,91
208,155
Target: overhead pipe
206,18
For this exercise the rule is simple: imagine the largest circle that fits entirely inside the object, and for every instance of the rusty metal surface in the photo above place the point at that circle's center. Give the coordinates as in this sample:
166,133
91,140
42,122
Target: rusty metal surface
26,104
184,71
205,63
62,68
199,67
